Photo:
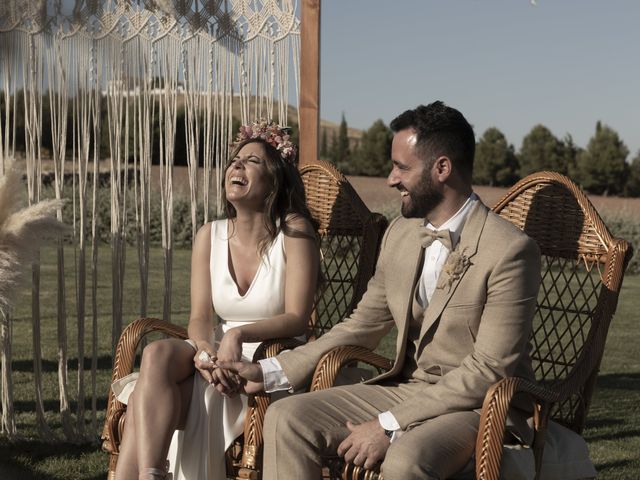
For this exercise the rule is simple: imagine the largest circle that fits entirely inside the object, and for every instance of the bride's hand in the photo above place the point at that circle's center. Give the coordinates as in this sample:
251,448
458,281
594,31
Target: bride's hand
222,380
204,360
230,349
226,382
250,372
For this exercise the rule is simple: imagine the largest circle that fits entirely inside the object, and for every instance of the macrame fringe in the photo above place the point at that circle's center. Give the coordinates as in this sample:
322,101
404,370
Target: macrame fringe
143,63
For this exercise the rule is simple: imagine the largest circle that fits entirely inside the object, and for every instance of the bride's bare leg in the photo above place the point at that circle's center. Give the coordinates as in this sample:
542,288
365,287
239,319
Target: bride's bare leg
160,403
127,466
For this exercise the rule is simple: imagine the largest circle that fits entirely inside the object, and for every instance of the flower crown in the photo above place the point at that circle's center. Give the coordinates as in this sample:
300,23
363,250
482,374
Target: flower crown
271,133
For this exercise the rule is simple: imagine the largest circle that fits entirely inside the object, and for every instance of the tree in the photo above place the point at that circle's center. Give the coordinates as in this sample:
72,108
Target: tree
602,168
541,150
294,132
341,151
324,145
570,153
334,146
371,157
632,188
16,118
495,162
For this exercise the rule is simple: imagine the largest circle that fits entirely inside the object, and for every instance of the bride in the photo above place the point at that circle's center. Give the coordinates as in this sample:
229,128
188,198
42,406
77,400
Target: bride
257,270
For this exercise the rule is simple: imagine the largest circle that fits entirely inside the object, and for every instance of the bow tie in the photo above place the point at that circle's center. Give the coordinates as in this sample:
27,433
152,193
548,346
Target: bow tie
428,236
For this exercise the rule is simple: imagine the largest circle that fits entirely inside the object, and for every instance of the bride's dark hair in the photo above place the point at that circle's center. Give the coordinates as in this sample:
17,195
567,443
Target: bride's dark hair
285,201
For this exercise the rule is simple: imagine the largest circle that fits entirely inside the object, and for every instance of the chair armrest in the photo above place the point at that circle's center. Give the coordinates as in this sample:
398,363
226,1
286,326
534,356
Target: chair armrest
271,348
331,363
325,376
257,405
493,419
123,365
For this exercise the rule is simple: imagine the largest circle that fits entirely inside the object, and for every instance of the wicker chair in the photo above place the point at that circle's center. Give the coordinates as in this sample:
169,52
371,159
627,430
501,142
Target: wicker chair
582,270
350,239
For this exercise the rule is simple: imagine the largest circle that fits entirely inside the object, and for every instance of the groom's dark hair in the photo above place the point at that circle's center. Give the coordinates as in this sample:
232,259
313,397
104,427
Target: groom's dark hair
441,130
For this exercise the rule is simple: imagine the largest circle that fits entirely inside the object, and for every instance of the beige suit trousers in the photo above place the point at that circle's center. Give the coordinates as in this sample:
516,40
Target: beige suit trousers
300,430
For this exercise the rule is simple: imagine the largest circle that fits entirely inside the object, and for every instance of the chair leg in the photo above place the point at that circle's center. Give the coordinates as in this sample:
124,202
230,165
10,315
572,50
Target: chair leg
113,460
250,468
541,418
247,474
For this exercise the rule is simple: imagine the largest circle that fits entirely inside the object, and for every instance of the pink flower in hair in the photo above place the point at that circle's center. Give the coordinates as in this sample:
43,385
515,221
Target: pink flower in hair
271,133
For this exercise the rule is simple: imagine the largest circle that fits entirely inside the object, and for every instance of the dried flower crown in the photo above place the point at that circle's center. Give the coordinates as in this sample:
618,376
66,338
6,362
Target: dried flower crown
273,134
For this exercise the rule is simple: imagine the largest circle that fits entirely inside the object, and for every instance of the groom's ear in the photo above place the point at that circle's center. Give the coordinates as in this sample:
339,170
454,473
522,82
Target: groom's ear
442,168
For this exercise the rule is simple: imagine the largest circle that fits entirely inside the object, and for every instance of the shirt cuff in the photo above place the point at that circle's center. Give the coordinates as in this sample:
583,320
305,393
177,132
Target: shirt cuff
389,422
273,375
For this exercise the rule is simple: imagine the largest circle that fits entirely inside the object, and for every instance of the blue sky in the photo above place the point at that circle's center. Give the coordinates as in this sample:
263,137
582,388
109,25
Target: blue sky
503,63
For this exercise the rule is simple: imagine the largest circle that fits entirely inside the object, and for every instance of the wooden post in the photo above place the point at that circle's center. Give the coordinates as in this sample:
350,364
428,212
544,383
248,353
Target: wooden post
309,80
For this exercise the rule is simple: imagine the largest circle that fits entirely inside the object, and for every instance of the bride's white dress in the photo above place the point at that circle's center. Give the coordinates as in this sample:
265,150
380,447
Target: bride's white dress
214,421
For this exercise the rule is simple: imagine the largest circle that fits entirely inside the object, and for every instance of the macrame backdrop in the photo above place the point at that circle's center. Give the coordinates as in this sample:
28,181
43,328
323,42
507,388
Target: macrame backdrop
142,59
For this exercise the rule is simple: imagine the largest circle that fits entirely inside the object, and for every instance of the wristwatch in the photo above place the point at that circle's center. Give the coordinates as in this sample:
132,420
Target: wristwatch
388,433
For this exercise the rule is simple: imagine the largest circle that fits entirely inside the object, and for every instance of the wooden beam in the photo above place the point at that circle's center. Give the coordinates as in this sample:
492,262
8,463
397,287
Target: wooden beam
309,80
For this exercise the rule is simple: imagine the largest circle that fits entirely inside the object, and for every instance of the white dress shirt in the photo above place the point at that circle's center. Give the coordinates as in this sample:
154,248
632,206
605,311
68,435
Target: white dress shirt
435,257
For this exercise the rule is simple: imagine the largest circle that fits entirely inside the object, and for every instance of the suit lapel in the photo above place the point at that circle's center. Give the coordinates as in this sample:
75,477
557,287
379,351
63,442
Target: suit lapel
467,246
409,259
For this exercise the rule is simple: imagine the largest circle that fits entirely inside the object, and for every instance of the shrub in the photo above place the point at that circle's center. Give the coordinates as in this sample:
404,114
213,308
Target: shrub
623,226
181,225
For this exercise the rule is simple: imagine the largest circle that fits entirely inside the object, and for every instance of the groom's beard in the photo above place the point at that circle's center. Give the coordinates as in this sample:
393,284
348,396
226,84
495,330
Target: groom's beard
422,199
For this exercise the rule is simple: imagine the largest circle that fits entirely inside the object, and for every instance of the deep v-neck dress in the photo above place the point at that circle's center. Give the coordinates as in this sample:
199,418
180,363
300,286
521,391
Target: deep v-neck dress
214,421
265,296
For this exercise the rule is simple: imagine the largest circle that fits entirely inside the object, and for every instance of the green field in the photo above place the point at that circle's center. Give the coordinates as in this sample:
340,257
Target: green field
613,426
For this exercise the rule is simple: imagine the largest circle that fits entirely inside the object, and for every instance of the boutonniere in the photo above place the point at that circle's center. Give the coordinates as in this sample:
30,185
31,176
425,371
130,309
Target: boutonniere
455,266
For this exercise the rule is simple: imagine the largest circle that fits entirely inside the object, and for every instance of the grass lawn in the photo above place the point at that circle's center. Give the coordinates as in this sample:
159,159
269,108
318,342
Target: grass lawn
613,426
30,457
613,423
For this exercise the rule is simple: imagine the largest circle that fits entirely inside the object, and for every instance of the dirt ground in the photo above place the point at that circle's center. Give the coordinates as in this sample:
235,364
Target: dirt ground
380,198
377,196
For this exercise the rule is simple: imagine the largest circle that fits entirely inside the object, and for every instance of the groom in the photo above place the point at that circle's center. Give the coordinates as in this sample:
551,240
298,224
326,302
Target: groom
458,282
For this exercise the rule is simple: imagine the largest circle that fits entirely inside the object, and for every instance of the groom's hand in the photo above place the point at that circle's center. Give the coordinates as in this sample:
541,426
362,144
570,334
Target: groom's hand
251,372
366,445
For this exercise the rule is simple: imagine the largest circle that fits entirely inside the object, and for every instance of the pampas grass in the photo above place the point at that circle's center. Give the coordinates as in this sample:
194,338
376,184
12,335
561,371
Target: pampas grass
23,230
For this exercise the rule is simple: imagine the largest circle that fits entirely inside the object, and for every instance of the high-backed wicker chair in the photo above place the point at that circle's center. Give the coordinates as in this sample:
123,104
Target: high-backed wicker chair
582,270
350,238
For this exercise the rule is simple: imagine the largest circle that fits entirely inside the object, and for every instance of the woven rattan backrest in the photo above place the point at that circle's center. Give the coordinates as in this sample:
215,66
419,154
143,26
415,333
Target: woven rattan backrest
350,240
582,268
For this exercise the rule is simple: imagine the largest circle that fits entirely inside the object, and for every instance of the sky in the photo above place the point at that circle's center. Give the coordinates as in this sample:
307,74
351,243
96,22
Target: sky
503,63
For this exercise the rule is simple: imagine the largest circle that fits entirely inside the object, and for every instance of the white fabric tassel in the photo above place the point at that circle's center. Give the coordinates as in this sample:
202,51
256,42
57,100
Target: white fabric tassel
96,125
32,83
56,60
168,64
143,62
8,425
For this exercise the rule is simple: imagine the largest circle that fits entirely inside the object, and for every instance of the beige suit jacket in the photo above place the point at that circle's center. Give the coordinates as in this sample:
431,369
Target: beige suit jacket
475,330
